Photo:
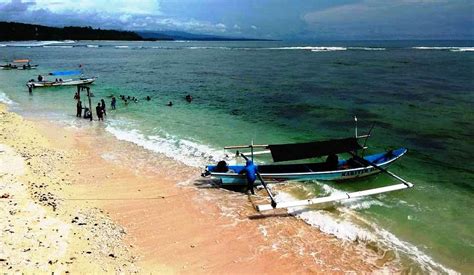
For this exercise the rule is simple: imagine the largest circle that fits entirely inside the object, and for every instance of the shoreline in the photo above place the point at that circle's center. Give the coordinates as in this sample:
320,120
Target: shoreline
165,220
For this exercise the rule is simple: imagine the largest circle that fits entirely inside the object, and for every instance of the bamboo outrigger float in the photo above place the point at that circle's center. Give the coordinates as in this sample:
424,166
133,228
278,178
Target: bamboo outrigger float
332,169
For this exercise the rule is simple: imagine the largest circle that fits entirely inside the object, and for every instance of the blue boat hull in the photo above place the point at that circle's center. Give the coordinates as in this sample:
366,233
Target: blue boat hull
307,172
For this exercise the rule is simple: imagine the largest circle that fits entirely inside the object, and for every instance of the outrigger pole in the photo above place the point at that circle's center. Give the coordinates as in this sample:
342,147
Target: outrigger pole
404,185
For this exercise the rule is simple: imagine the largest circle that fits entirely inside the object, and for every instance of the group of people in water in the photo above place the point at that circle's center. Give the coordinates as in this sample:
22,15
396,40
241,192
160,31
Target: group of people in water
101,106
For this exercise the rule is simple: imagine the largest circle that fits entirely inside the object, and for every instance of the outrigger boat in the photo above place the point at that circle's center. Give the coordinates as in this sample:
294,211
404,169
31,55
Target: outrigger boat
332,169
21,64
61,82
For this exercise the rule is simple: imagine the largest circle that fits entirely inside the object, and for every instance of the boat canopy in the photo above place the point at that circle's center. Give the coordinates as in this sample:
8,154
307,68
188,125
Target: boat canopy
296,151
65,73
21,61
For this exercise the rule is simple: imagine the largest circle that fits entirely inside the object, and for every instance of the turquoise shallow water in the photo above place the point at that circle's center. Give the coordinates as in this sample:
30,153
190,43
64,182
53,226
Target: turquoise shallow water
419,98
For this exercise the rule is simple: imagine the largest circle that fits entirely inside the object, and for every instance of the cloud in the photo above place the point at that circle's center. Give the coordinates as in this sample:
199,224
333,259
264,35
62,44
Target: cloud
280,19
387,19
142,7
15,7
124,14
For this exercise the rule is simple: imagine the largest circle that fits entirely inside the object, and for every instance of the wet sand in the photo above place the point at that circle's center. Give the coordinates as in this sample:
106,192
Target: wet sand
108,205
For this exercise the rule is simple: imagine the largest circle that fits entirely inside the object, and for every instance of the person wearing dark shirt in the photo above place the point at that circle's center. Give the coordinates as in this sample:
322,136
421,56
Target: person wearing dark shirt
99,111
250,171
113,102
79,109
103,107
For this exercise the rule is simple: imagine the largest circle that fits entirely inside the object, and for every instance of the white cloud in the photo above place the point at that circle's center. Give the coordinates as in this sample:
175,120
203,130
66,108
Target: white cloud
382,19
254,27
134,7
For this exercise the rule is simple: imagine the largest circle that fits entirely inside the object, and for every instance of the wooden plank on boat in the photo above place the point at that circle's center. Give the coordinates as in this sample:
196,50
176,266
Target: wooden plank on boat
257,153
246,146
333,198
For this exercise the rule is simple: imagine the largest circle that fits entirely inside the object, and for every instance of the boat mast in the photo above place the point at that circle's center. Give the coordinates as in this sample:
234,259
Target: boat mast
355,119
251,150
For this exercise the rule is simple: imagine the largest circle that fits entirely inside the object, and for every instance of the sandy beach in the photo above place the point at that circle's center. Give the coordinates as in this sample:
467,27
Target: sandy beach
82,201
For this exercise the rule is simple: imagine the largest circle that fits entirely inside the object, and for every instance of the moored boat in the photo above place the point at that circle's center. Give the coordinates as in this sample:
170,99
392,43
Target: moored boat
66,82
19,64
41,82
332,169
345,170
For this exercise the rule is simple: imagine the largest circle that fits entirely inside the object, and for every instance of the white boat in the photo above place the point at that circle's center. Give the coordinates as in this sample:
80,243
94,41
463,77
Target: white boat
66,82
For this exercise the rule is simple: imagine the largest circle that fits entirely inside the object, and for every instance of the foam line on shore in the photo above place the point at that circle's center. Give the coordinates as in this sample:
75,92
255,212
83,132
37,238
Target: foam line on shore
5,99
344,228
341,226
184,151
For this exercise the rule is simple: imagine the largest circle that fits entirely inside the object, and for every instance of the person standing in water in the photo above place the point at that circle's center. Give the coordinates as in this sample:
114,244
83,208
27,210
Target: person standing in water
100,112
103,107
79,109
113,102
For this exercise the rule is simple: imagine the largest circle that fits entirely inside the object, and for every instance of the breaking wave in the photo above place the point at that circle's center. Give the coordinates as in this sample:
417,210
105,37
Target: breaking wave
452,49
208,48
5,99
349,226
184,151
366,49
38,43
63,47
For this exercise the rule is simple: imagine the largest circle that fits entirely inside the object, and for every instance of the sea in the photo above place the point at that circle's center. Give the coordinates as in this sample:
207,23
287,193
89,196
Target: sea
417,94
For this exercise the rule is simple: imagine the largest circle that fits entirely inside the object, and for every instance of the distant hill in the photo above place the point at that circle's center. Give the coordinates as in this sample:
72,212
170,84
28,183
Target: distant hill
180,35
10,31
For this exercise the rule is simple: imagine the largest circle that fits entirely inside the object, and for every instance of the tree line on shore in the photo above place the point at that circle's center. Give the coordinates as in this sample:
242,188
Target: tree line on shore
12,31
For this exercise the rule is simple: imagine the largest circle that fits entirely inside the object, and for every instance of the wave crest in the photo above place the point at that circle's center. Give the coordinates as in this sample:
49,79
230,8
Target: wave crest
184,151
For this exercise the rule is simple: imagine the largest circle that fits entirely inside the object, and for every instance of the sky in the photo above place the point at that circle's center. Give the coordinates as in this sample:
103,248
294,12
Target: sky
270,19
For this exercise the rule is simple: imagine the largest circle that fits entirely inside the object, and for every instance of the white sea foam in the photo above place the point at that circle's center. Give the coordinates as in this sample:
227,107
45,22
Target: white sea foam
452,49
207,48
64,47
5,99
185,151
121,47
366,49
92,46
463,49
326,49
309,48
38,43
343,226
